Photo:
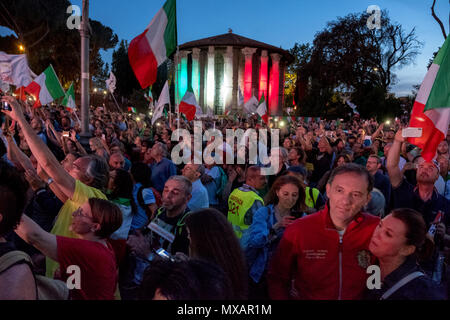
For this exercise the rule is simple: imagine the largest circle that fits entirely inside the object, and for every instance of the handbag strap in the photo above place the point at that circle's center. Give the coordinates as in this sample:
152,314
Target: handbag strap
401,283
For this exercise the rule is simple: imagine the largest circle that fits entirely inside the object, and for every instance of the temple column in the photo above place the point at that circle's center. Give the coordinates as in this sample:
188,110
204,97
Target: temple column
263,75
274,107
182,81
248,53
228,78
210,80
196,73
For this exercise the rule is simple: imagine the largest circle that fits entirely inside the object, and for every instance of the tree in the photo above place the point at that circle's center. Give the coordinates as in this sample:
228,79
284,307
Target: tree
347,52
350,59
40,26
441,25
126,80
294,74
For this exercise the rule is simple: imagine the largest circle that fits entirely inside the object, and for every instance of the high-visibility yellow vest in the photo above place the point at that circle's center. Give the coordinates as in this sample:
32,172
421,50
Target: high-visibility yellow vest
311,203
239,203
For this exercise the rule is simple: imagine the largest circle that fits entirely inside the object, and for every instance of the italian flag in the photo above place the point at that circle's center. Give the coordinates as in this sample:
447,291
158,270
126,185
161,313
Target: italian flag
152,47
188,105
132,109
431,110
45,88
262,109
69,98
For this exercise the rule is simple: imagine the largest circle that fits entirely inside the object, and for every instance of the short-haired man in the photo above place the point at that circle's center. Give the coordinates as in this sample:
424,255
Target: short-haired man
245,201
325,253
199,199
167,230
423,197
116,161
162,168
380,181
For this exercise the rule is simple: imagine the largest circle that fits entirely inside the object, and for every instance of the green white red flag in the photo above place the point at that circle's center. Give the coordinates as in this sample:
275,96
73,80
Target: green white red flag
69,98
431,110
45,88
152,47
188,105
262,110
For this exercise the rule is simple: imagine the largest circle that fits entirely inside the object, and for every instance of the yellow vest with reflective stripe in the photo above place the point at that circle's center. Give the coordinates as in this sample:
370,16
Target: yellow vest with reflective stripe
239,203
308,200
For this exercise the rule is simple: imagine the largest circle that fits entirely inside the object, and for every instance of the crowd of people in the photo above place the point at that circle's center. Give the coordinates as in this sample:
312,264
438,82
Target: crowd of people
345,195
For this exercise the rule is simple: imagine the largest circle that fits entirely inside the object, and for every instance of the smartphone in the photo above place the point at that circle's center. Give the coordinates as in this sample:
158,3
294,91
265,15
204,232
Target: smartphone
297,214
6,106
66,134
411,132
164,254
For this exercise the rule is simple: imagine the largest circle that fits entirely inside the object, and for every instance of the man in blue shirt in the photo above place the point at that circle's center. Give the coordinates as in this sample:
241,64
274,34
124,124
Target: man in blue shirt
162,168
199,193
381,182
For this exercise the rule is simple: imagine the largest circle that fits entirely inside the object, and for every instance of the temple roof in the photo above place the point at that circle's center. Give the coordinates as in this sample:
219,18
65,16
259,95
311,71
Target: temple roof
231,39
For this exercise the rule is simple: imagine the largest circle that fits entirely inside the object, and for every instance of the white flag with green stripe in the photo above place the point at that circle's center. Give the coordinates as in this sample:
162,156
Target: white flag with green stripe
69,98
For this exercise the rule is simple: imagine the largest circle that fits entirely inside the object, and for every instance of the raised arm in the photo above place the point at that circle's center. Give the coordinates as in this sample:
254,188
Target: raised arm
41,152
393,159
377,132
16,155
33,234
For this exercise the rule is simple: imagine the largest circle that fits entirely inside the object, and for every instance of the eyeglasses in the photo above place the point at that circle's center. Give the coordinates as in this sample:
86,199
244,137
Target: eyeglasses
79,213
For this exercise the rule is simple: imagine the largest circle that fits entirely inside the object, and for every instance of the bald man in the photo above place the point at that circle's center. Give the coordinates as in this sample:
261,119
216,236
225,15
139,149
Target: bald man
116,161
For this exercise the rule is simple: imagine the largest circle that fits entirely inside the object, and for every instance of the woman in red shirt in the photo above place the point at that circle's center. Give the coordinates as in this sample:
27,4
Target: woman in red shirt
87,264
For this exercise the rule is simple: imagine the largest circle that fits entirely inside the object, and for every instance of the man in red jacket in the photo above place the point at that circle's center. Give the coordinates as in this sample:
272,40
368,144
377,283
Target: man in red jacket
326,253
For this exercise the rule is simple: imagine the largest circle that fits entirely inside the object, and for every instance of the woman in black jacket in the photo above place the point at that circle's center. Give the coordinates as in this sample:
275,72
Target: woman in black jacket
398,241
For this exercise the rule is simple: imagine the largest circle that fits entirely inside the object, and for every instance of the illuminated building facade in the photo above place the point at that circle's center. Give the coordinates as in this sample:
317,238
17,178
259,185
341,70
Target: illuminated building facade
217,67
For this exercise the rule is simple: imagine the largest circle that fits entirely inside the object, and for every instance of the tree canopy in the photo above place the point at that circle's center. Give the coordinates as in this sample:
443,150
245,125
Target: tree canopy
40,26
349,60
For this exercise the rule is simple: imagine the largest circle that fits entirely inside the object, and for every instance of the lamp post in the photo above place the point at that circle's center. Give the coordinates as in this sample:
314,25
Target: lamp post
85,77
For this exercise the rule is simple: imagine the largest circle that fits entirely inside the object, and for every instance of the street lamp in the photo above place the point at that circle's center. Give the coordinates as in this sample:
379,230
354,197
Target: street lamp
21,48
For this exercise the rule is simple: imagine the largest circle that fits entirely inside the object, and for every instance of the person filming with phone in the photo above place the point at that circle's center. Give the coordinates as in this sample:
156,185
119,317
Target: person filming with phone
422,197
285,202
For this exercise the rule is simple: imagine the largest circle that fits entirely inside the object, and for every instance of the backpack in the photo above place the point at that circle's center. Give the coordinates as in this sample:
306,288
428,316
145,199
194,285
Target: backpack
46,288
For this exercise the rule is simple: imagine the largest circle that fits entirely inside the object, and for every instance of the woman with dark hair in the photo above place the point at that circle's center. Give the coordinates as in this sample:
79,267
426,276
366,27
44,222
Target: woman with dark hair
399,241
93,223
297,157
194,279
120,191
285,203
212,238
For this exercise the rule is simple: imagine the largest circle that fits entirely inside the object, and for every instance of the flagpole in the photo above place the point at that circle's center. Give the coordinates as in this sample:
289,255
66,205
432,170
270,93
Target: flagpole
117,105
76,116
